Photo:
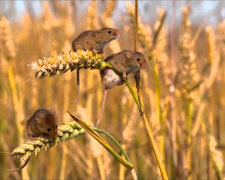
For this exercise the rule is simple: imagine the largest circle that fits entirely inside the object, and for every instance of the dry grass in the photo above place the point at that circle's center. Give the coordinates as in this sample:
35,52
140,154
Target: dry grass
185,110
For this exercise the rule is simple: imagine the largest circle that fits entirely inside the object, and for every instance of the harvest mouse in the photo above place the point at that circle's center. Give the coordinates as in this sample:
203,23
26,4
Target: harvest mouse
43,123
93,40
126,62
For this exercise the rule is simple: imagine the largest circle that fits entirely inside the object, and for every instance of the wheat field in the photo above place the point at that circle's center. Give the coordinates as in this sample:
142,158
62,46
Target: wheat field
182,89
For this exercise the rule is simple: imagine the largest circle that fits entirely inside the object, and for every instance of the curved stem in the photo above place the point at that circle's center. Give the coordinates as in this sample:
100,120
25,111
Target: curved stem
114,140
102,142
134,175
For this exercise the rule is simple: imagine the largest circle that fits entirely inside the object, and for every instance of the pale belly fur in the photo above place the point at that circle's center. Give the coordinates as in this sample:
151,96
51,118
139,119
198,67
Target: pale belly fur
110,79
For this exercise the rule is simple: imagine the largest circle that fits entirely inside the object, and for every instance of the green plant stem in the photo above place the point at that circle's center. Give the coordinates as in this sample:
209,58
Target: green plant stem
134,95
127,83
114,140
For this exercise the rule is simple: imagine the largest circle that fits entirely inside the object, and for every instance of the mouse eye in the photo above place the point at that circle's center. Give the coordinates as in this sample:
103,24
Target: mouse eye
109,32
56,126
138,59
49,129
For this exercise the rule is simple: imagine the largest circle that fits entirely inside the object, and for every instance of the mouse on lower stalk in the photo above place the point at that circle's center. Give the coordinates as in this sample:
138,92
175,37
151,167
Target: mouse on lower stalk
43,123
93,40
126,62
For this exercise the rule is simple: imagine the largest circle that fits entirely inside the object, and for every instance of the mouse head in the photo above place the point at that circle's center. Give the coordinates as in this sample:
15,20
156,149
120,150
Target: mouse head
106,35
48,123
135,61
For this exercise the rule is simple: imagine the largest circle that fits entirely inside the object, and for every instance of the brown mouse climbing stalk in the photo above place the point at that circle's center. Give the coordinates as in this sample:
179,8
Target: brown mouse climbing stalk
93,40
126,62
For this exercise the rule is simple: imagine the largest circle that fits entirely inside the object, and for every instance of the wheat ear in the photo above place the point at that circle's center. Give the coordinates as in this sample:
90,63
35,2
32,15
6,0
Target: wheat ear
67,61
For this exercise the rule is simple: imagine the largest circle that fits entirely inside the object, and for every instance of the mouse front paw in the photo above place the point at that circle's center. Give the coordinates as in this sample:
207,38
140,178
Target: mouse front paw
124,76
120,83
94,51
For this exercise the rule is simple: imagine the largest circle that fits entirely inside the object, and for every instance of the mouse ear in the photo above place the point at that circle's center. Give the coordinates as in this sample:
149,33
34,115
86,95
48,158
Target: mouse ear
97,34
54,114
128,54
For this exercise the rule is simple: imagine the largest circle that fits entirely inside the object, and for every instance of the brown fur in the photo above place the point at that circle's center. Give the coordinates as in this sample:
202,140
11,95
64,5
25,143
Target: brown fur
94,39
40,121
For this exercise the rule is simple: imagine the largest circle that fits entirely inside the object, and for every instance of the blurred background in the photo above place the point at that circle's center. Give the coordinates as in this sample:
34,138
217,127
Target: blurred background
184,43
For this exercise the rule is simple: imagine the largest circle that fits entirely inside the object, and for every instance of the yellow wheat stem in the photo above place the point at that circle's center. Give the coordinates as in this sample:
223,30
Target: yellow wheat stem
66,87
92,17
9,49
141,109
18,106
216,155
101,167
6,38
144,33
211,43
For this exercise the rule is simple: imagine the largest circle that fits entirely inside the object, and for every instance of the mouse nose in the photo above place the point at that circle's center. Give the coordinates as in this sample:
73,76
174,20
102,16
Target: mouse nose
144,64
116,33
54,133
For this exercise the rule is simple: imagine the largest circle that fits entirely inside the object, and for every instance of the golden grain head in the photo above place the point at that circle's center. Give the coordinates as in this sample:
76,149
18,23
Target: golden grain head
6,38
34,147
67,61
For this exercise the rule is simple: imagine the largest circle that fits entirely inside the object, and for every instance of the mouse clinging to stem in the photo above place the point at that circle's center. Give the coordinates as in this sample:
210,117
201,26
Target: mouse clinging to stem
93,40
126,62
43,123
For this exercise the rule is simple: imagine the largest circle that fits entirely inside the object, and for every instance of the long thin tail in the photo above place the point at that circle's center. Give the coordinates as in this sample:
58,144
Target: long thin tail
20,168
102,108
78,87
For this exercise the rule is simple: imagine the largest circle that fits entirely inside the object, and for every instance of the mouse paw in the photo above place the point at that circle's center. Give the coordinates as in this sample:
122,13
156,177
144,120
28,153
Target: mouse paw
94,51
103,55
124,76
120,83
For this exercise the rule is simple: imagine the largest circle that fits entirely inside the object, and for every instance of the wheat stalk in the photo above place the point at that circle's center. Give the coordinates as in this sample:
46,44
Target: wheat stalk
216,155
6,38
140,103
67,61
144,32
67,132
189,76
107,21
92,15
34,147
